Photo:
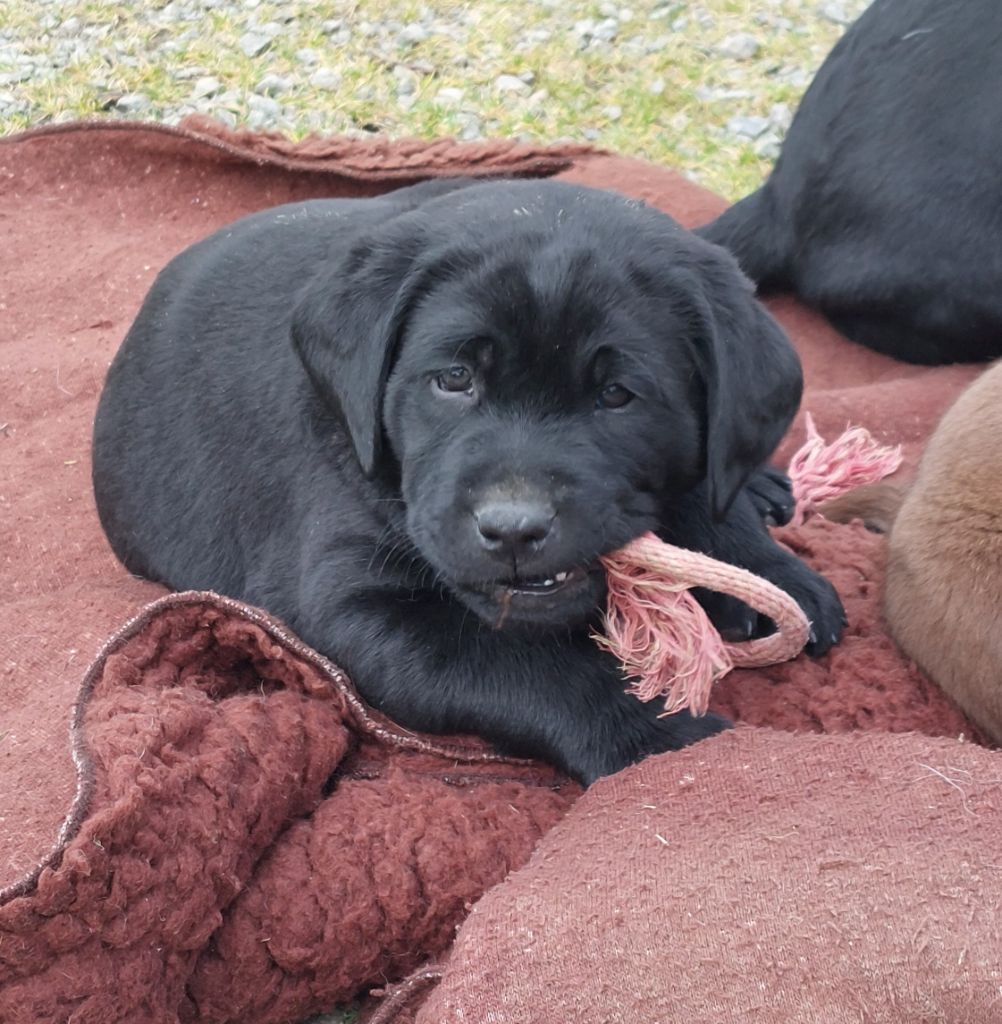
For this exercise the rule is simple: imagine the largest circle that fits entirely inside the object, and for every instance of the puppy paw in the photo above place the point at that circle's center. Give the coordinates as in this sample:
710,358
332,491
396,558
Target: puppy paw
818,599
734,620
659,735
683,728
771,493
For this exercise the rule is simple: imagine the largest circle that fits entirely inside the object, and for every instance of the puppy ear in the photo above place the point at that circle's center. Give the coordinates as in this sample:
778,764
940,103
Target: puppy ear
346,326
752,376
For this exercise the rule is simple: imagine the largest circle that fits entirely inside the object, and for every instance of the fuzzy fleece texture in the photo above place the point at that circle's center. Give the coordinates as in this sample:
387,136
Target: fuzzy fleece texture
211,826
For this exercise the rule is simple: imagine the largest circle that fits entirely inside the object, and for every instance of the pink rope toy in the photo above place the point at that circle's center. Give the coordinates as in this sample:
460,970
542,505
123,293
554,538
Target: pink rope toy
659,632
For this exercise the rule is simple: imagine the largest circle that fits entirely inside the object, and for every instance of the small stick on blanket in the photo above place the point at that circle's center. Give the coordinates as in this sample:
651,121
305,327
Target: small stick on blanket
660,633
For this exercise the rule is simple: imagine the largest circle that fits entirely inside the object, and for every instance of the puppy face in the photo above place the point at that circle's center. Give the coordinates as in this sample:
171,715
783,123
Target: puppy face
539,421
548,367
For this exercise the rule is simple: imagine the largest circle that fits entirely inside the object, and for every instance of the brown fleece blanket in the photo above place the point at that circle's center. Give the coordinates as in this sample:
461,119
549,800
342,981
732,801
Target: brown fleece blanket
212,827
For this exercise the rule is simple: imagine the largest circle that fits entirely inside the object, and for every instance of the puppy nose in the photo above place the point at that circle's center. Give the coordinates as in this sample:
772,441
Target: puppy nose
514,526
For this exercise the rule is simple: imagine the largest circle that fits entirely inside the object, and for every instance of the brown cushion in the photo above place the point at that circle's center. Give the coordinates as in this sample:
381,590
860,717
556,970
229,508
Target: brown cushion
758,876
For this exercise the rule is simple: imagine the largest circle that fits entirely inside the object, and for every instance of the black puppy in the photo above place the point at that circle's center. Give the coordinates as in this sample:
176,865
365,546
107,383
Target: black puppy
884,209
410,425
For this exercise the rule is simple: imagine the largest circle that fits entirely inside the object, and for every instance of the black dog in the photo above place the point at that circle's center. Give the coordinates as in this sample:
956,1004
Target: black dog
884,209
410,425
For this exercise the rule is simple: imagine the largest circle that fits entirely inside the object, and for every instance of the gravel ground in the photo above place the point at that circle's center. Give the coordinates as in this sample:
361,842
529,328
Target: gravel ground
708,87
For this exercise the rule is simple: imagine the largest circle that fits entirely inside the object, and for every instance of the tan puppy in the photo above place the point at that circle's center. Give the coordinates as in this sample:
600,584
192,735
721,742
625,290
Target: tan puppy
943,593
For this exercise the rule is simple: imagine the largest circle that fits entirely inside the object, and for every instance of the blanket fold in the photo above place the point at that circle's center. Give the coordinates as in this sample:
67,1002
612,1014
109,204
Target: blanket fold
205,872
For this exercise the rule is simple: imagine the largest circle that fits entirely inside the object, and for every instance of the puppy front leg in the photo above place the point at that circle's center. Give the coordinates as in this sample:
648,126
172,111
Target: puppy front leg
742,539
435,667
771,492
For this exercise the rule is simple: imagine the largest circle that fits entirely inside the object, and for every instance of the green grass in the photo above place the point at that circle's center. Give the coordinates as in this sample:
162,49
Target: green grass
570,97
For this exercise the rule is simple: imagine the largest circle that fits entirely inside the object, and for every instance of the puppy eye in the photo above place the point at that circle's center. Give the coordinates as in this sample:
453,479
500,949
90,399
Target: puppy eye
614,396
455,379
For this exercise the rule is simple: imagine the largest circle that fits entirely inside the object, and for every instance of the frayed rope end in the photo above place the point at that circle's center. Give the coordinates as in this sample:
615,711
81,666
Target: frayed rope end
661,635
820,472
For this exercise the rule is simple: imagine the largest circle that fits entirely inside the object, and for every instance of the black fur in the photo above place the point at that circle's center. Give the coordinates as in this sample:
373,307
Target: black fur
279,426
884,209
